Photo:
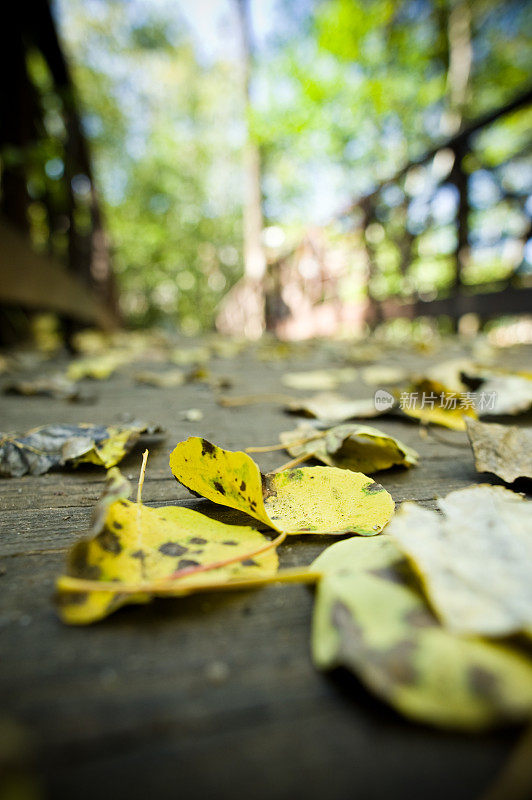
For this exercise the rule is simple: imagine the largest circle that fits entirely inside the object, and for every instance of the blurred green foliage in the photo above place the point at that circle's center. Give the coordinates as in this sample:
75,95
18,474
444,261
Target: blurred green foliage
344,93
166,136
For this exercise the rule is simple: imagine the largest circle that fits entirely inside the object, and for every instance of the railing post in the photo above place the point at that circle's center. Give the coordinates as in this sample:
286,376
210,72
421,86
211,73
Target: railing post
459,179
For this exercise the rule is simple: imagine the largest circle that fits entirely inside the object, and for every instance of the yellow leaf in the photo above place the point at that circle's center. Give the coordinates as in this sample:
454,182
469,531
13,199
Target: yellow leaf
360,448
137,552
164,380
188,356
98,367
110,450
431,402
58,445
370,617
383,375
306,500
322,379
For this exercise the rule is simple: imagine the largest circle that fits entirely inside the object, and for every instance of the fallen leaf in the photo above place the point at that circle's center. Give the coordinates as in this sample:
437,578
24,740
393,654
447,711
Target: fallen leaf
98,367
360,448
50,446
163,380
190,356
149,345
334,407
306,500
56,386
365,352
90,341
227,348
503,450
319,379
137,553
275,351
382,375
431,402
475,562
370,617
192,414
505,394
450,373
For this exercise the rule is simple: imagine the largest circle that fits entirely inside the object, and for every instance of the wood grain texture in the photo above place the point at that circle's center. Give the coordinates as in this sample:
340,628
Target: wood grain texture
212,695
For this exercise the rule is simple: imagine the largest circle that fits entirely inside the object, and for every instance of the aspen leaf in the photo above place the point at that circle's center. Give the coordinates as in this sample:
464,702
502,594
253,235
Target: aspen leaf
360,448
475,562
97,367
162,380
324,379
432,402
189,356
371,617
450,373
55,386
306,500
503,450
50,446
512,394
136,552
503,392
334,407
383,375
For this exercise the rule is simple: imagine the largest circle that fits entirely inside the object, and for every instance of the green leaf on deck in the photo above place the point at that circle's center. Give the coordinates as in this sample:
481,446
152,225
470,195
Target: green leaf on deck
305,500
475,562
371,617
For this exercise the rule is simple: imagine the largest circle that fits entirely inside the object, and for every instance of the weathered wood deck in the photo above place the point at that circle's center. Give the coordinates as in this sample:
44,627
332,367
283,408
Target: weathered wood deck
214,695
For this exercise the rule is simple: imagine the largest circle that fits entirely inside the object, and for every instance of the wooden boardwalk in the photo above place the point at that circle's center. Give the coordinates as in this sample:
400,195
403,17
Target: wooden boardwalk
212,696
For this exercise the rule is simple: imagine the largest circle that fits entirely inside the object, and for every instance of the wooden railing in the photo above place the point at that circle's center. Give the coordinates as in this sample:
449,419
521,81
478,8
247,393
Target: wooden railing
70,270
511,296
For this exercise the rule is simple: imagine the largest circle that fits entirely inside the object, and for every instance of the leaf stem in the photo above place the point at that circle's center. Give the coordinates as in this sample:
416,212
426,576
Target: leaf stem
294,462
141,476
286,445
293,575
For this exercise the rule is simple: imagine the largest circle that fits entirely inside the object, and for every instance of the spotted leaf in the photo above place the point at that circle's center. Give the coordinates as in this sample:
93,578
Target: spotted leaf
371,617
475,561
52,446
360,448
135,553
306,500
432,402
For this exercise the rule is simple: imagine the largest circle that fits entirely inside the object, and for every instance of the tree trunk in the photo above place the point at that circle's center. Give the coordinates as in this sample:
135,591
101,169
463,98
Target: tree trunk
254,256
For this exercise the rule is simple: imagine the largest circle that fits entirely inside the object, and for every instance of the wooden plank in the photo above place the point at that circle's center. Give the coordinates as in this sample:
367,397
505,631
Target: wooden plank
212,695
